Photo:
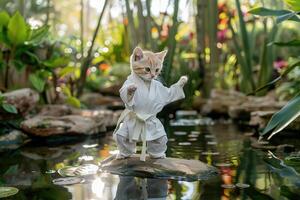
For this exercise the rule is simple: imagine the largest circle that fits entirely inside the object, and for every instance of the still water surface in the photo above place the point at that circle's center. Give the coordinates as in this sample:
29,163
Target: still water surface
245,172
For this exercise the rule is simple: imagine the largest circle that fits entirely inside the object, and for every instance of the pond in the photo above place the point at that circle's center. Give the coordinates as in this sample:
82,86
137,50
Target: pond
245,172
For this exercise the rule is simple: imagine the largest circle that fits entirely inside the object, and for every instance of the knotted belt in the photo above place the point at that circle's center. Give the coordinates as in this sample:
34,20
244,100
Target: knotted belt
139,131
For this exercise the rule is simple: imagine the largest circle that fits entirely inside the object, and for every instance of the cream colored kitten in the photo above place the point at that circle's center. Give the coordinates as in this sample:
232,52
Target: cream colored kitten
148,66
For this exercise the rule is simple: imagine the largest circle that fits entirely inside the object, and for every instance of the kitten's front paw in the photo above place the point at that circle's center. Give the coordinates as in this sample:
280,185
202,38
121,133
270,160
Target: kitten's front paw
131,89
183,80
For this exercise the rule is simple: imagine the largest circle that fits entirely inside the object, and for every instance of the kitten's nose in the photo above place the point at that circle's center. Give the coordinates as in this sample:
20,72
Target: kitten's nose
152,75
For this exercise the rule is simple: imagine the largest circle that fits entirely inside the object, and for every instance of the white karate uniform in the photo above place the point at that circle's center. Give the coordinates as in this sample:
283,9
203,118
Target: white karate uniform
139,122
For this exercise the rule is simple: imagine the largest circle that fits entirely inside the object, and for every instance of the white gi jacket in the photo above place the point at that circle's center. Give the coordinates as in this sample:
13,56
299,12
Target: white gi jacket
138,121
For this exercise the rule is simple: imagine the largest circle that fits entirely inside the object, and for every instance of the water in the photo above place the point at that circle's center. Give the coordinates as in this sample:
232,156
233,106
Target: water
245,173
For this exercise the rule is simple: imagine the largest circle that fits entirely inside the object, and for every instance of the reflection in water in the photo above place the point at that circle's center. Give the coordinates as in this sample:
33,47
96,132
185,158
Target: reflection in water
31,168
136,188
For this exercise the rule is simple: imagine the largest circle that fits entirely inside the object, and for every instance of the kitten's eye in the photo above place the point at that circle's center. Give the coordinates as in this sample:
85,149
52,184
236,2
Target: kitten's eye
147,69
156,70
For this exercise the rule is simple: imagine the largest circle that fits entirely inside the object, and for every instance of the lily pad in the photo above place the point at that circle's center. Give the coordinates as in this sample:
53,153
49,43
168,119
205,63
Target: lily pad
82,170
223,164
68,181
242,185
8,191
228,186
180,133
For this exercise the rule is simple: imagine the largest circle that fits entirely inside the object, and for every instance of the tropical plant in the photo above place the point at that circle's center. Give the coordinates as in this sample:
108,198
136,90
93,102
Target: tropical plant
291,111
18,47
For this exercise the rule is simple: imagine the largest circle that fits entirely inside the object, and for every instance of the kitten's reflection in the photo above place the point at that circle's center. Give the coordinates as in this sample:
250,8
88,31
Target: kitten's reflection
137,188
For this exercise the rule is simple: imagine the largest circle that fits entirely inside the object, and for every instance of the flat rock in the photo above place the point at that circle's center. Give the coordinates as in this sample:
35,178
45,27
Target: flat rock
220,101
96,99
44,126
65,120
168,168
252,104
23,99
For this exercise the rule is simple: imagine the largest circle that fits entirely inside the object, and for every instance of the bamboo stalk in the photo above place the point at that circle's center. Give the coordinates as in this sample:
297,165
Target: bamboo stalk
87,61
171,43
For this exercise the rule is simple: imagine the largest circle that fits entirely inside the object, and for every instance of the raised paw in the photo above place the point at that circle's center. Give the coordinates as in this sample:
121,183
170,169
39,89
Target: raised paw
183,80
131,89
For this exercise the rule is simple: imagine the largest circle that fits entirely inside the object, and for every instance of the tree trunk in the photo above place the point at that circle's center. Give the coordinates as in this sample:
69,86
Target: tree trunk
132,31
142,24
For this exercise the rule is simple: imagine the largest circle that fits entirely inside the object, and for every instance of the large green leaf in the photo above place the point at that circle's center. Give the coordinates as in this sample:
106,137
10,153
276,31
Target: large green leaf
17,29
261,11
281,15
4,18
294,4
283,118
37,82
57,62
38,35
9,108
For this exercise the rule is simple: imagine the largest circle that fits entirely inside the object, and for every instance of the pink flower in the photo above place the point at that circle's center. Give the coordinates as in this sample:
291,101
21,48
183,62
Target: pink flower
280,64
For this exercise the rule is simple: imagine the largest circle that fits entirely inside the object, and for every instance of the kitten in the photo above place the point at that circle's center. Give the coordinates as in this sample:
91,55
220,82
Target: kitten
148,65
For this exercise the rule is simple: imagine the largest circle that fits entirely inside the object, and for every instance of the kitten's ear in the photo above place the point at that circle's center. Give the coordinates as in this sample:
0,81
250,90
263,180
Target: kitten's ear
161,55
137,54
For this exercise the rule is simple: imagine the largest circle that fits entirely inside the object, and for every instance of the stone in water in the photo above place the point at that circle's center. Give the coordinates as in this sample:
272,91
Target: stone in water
168,168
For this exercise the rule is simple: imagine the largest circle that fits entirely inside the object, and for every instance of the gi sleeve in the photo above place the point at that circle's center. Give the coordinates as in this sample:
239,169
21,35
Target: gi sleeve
128,100
174,93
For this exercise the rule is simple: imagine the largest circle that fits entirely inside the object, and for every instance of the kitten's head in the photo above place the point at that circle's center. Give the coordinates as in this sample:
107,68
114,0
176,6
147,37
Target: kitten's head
147,64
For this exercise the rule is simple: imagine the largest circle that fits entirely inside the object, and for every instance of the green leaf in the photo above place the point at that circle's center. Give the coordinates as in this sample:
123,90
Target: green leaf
73,101
38,35
8,191
288,16
292,43
18,65
283,117
17,29
246,46
294,4
4,18
66,91
37,82
261,11
280,14
67,70
57,62
9,108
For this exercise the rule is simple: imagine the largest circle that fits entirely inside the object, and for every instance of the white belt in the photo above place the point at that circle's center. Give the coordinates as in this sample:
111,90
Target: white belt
139,128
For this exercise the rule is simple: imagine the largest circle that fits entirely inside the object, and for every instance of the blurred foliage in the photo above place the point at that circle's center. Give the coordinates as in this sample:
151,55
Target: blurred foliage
51,46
